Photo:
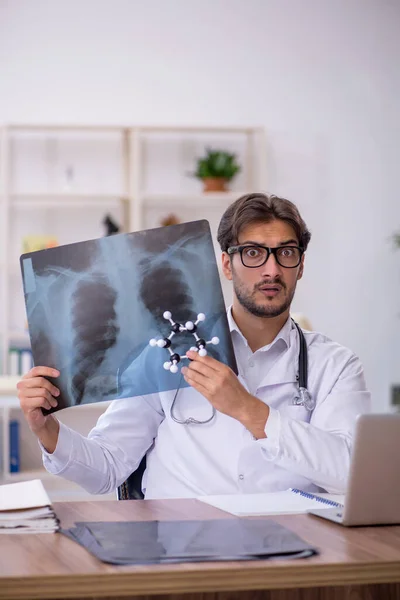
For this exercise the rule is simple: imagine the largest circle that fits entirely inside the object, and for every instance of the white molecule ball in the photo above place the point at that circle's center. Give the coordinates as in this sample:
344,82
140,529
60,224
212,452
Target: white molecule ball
202,352
153,342
161,343
167,314
201,317
215,340
194,348
167,365
189,325
174,369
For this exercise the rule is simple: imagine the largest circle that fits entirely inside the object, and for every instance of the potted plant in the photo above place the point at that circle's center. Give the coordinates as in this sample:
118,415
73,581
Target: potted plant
216,169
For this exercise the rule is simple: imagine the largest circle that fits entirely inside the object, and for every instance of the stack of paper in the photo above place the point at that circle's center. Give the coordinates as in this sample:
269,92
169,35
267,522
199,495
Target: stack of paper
26,508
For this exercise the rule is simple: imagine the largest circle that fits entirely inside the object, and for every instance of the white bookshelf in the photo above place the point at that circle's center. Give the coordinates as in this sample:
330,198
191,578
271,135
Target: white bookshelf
62,180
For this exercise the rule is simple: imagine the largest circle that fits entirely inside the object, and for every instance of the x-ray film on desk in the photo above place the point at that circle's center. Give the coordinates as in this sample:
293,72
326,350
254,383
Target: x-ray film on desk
116,315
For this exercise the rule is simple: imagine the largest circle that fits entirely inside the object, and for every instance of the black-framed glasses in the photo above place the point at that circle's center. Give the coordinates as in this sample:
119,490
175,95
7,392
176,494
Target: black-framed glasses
254,256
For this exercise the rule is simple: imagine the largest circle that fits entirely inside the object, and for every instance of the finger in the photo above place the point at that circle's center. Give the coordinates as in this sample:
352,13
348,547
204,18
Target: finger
40,403
202,368
194,378
200,388
38,393
41,372
207,360
38,382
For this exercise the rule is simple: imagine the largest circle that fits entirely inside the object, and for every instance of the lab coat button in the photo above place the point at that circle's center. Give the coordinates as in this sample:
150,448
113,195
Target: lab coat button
241,476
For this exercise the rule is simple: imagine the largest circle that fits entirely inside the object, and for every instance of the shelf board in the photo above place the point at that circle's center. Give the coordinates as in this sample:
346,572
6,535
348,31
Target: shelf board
18,336
27,474
73,200
72,127
182,199
196,129
8,391
69,195
143,128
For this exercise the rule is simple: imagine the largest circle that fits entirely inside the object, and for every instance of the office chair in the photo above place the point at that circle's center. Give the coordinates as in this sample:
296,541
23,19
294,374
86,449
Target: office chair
131,489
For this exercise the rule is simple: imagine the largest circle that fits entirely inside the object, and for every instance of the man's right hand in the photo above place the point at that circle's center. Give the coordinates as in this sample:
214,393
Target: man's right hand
36,392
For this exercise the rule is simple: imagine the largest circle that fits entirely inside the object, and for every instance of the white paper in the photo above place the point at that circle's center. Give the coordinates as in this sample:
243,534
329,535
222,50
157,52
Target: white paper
23,494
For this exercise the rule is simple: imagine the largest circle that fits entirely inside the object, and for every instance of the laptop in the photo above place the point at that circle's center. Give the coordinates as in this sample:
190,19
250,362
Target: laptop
373,487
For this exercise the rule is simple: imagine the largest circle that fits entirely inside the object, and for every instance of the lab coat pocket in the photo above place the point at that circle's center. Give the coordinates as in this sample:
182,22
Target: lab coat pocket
281,396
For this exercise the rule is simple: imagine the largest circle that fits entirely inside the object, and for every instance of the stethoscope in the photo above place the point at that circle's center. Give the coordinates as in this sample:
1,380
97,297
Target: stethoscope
302,397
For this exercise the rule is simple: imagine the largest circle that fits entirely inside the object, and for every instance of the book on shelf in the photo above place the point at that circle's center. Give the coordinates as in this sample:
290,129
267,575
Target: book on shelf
14,446
20,361
33,243
25,507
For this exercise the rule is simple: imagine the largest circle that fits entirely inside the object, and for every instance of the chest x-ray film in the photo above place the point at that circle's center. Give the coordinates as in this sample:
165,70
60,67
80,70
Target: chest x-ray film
116,315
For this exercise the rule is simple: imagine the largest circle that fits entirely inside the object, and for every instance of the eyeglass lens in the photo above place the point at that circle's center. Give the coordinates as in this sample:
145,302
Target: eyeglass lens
255,256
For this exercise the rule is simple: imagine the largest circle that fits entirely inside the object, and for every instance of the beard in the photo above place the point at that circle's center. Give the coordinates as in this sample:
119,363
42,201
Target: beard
247,298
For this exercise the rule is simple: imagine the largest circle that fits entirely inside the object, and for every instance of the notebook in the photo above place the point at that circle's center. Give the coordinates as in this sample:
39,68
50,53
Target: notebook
25,507
292,501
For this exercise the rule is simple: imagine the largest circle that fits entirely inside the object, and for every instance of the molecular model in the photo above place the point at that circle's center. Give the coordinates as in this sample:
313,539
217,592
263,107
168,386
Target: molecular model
190,327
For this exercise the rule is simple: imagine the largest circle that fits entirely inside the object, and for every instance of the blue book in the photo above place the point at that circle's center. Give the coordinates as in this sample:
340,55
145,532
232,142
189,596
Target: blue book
14,447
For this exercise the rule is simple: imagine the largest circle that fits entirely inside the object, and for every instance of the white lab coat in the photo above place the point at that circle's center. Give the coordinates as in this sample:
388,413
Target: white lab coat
305,450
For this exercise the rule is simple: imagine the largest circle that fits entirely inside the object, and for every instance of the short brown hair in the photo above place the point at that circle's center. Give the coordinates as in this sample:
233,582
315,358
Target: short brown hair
258,208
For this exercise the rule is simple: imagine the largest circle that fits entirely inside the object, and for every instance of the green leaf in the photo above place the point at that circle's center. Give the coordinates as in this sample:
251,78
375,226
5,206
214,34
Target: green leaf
217,163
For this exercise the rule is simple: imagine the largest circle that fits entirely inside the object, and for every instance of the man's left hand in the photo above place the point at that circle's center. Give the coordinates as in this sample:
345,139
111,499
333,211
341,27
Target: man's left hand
219,384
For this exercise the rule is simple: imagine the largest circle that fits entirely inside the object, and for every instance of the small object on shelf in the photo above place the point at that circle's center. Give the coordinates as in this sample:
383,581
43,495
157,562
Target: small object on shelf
69,178
110,225
32,243
303,321
216,169
170,219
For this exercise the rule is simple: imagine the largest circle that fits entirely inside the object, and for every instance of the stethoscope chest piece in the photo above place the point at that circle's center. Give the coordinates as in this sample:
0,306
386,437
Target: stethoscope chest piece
304,398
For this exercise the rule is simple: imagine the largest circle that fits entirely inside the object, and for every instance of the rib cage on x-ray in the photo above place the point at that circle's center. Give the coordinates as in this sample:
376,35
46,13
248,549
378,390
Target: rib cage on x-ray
95,330
93,306
164,287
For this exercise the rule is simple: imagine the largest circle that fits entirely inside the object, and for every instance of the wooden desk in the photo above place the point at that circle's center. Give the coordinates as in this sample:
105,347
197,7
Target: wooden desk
356,563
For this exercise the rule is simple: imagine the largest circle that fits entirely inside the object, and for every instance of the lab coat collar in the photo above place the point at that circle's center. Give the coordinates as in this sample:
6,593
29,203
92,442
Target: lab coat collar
284,333
285,369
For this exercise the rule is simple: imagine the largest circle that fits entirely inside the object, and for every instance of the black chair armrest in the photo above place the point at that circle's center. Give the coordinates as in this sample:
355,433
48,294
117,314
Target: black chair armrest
131,489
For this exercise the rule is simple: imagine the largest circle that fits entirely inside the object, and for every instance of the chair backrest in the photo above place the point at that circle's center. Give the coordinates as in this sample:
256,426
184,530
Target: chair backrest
131,489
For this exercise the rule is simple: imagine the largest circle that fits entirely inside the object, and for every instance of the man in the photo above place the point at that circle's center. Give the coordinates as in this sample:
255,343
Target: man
259,440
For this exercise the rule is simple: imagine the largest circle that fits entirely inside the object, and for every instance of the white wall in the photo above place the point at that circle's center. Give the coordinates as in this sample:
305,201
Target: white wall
321,75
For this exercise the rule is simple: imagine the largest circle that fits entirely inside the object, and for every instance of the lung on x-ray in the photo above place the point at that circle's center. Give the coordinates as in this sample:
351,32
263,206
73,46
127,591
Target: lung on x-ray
116,315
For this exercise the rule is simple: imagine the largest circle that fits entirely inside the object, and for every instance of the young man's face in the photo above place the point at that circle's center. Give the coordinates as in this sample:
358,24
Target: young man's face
267,290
